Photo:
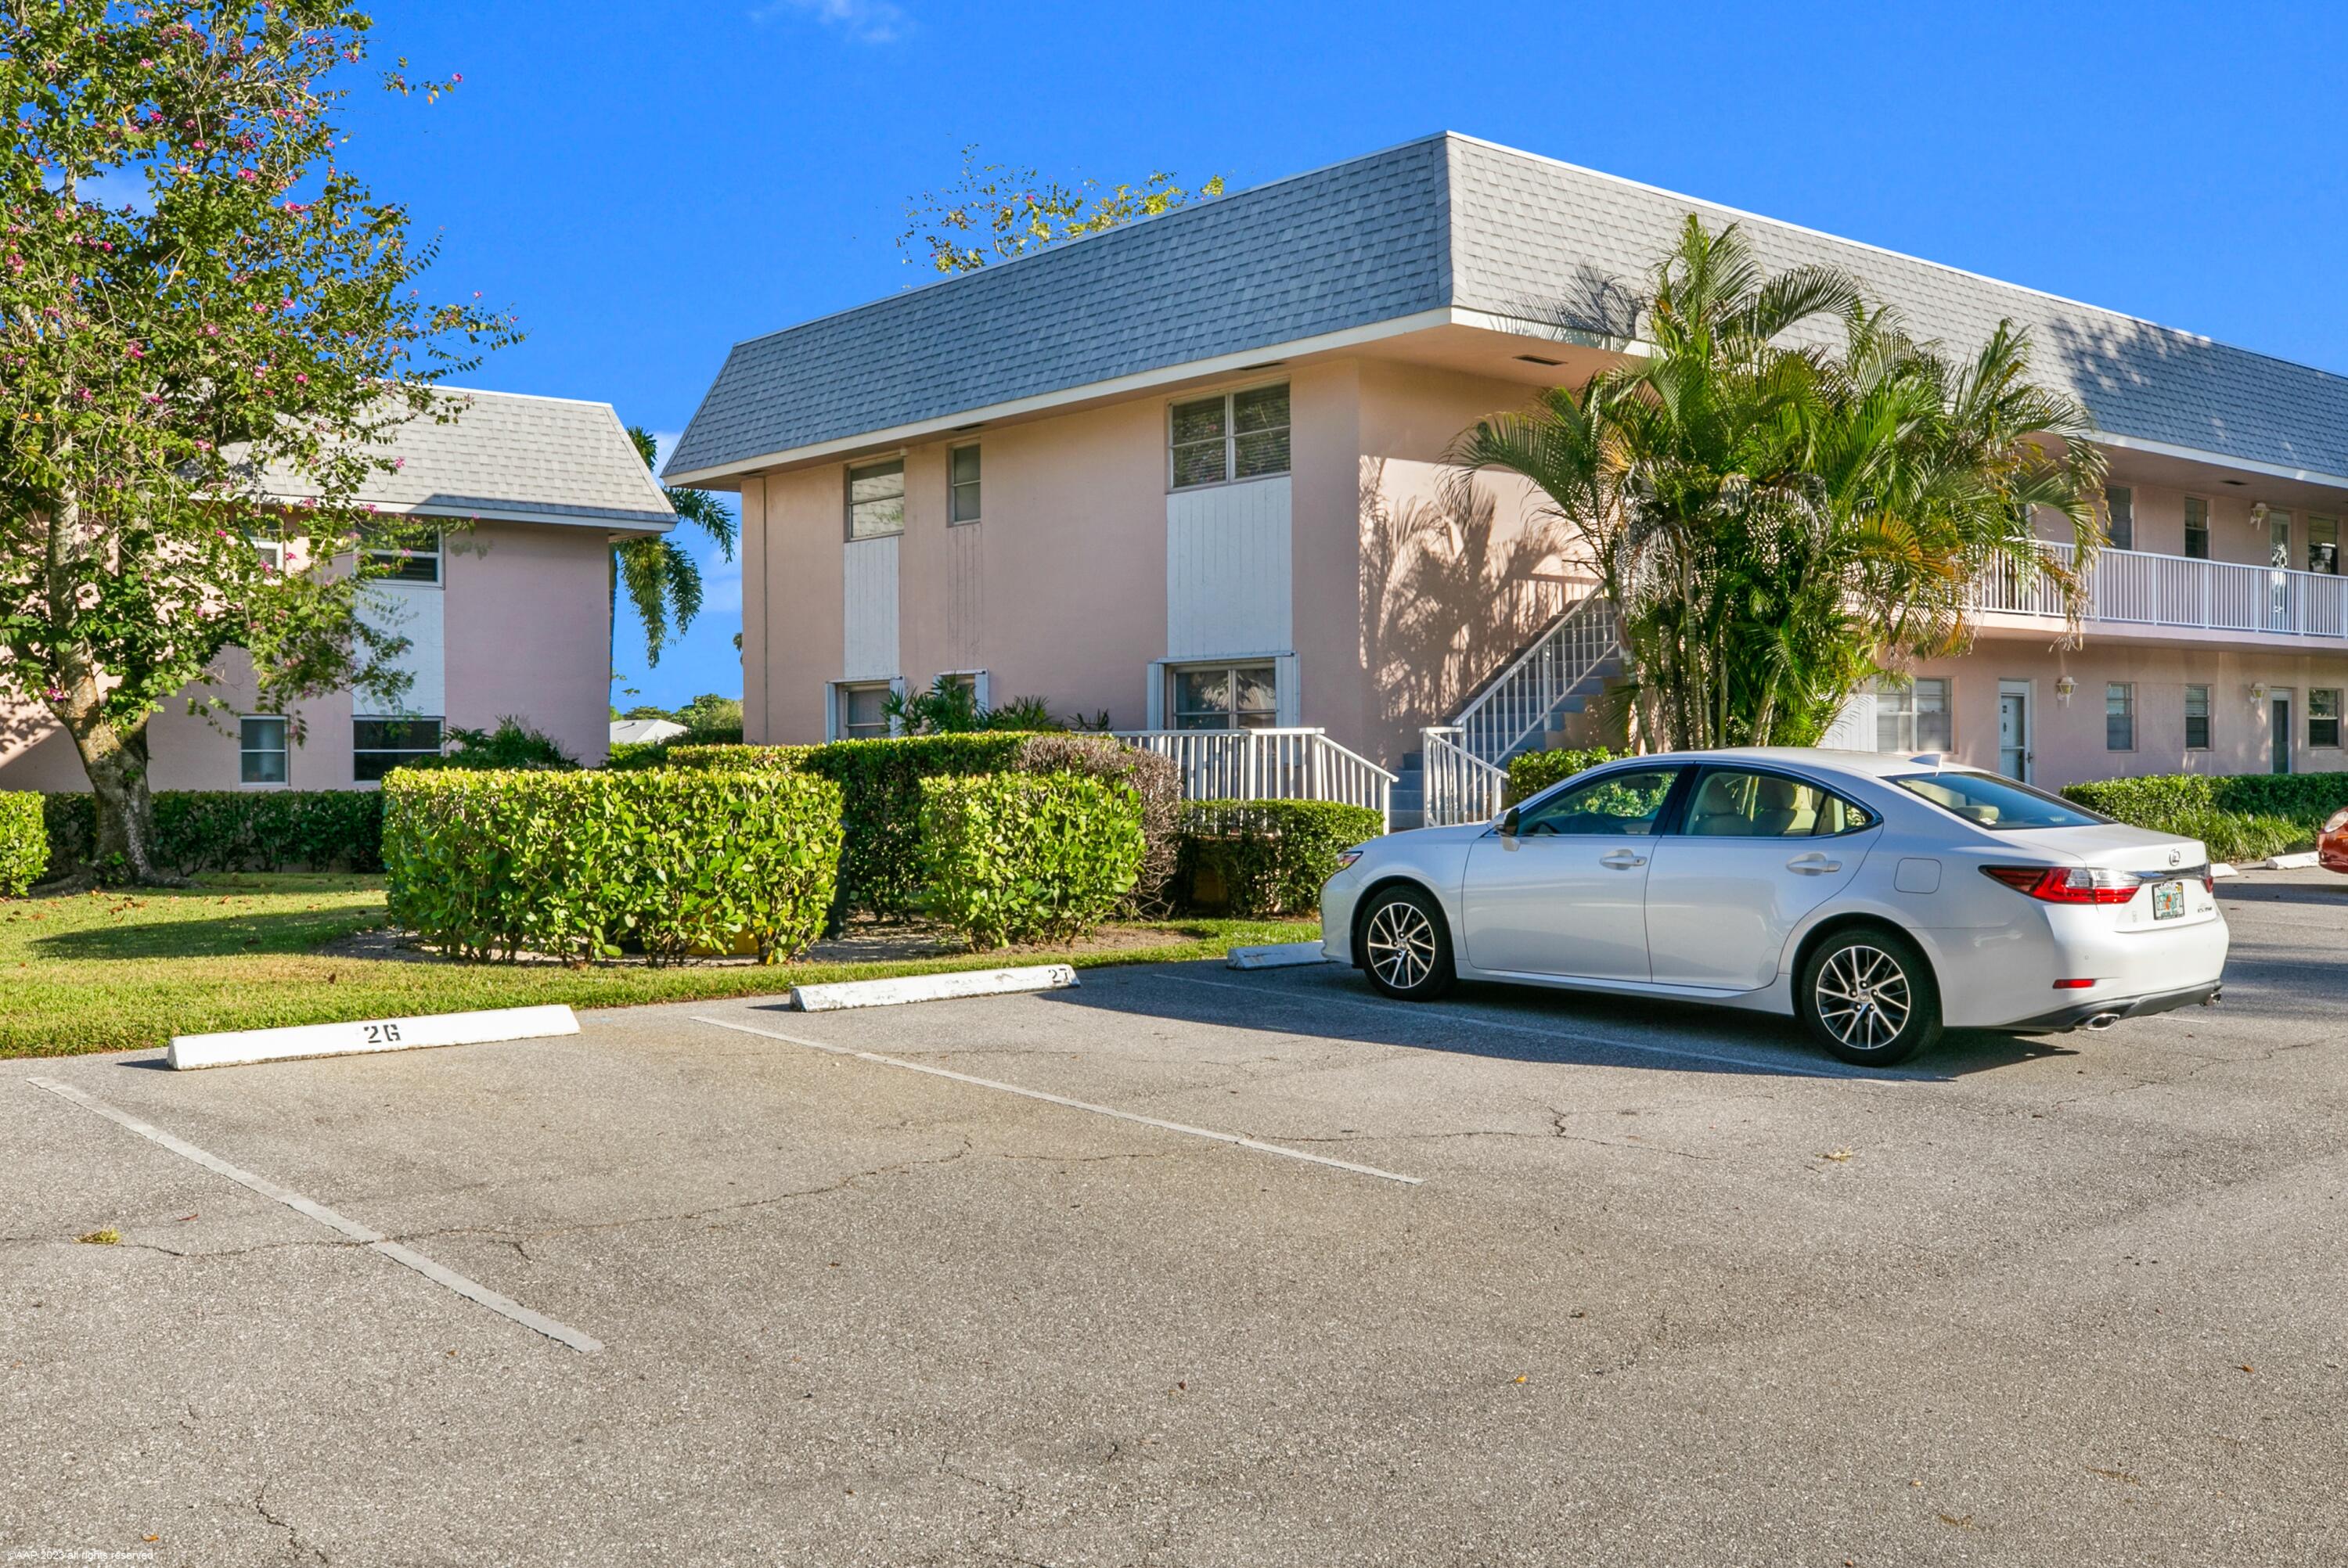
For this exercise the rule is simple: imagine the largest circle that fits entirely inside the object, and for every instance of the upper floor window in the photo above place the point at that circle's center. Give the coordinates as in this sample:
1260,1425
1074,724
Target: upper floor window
2323,717
962,485
1913,717
261,742
415,562
876,500
2119,717
2120,502
1231,435
2197,528
2197,718
271,548
2324,545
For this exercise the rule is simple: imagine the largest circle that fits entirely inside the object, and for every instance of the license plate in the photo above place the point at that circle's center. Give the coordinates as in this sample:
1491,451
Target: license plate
2168,900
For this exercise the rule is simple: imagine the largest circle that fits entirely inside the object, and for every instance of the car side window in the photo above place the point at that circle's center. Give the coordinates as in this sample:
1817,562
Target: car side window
1733,803
1619,805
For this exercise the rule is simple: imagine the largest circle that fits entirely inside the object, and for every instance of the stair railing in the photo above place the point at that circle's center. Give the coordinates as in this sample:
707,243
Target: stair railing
1519,700
1460,786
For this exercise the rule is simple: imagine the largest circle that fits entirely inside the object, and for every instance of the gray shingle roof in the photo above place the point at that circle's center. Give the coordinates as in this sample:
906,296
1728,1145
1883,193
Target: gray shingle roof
1444,222
514,457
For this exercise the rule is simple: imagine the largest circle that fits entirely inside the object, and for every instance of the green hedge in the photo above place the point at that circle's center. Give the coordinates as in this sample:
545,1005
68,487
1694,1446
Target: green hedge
1530,773
587,865
1154,779
236,830
1014,857
24,842
1270,857
2241,817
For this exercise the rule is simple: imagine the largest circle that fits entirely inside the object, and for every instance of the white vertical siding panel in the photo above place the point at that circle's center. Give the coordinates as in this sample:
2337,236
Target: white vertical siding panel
966,595
1228,569
869,606
413,610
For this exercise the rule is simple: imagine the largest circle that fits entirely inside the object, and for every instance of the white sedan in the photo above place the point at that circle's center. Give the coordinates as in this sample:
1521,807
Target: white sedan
1877,898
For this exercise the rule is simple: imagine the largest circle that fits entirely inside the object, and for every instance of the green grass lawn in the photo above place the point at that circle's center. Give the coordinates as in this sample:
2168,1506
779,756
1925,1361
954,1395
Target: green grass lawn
127,969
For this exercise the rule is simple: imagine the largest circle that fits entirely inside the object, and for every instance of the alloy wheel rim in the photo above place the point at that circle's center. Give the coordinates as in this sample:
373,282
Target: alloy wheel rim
1863,996
1401,943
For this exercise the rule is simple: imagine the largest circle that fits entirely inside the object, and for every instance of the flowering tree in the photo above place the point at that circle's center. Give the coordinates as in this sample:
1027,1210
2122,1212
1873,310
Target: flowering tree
208,330
994,212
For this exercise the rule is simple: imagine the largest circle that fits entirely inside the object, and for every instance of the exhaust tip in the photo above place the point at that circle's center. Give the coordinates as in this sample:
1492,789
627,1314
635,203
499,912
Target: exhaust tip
2102,1021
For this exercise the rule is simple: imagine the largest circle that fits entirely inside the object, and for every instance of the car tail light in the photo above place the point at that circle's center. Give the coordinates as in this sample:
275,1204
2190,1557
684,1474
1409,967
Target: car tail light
2073,985
2209,877
2067,884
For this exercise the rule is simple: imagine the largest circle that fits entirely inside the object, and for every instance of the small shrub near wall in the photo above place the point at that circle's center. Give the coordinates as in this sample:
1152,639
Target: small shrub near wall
2239,816
24,843
1254,858
589,865
1154,779
236,830
1021,858
1530,773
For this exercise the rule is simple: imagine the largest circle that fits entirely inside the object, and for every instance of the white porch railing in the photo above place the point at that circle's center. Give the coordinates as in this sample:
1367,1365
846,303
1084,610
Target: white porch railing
2137,588
1518,702
1458,785
1269,764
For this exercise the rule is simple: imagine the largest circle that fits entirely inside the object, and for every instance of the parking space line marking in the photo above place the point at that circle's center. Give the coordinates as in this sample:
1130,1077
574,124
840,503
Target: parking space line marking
446,1278
1232,1138
1610,1042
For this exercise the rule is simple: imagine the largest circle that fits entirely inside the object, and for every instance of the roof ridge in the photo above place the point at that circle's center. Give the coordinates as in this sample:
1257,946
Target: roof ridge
1744,215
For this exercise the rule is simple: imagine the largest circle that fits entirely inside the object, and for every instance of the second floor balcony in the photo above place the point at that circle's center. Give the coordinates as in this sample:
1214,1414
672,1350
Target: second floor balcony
2135,588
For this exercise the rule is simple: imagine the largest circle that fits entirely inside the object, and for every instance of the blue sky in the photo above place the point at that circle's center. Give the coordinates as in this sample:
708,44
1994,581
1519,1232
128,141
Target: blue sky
648,183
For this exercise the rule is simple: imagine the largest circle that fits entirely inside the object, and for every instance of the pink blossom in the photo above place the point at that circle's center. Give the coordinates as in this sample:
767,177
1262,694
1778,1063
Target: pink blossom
301,379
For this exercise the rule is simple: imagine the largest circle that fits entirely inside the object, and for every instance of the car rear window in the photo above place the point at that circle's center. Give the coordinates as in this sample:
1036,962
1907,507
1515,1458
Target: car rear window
2004,805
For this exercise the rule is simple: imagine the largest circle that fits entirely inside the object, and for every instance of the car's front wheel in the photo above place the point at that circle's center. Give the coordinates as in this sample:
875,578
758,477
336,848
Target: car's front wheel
1869,997
1406,947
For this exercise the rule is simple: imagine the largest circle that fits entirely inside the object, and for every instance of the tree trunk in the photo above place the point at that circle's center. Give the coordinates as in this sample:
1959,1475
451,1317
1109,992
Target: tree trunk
116,761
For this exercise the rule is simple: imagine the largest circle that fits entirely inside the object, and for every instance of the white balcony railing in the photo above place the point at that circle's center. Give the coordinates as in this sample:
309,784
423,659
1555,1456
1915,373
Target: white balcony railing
1459,785
1269,764
2136,587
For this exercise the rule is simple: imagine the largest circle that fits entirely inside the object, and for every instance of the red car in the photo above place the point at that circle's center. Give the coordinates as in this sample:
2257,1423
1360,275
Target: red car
2331,845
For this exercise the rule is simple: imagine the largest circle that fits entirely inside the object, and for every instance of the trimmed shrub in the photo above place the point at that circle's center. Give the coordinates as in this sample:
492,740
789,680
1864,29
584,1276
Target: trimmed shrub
1270,857
236,830
24,842
685,752
1153,778
1014,857
512,744
2244,812
586,864
1530,773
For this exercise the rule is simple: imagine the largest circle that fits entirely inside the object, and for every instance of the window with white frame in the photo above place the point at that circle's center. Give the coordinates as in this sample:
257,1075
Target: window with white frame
2119,716
1225,696
1912,715
379,745
1231,435
2197,718
862,710
416,560
271,548
2119,501
876,500
2197,528
2323,717
962,485
261,741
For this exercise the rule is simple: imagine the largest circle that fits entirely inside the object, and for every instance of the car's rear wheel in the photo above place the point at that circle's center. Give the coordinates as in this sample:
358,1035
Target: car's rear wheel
1406,947
1869,997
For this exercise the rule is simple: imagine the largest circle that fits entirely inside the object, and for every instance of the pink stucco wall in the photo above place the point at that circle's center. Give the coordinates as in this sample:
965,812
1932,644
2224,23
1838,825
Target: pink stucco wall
526,630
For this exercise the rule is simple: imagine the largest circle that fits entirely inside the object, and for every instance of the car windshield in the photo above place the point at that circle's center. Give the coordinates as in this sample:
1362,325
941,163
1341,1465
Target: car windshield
2004,805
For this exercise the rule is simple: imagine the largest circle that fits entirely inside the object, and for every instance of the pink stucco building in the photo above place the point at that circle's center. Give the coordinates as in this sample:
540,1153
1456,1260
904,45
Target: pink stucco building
1187,472
510,615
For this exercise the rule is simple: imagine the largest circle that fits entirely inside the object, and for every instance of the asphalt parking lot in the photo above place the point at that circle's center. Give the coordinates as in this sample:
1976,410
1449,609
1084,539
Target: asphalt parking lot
1557,1280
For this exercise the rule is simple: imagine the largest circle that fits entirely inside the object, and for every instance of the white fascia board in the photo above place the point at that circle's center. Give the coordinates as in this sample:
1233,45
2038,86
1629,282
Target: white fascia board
2218,459
1144,381
609,522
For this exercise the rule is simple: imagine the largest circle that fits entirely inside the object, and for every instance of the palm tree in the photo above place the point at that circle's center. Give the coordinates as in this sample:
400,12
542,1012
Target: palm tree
1788,494
663,580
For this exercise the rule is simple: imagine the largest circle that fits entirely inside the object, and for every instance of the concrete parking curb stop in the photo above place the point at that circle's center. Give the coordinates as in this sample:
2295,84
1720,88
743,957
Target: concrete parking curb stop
931,987
2298,862
1279,956
238,1047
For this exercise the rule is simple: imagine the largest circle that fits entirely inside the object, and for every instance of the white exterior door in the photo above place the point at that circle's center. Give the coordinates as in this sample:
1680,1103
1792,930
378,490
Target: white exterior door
1565,894
2014,729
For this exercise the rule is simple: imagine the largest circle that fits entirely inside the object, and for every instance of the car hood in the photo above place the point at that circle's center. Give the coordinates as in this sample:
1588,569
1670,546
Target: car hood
1424,837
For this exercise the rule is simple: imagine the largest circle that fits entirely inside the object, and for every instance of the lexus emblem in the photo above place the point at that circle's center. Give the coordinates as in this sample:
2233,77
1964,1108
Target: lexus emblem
2175,856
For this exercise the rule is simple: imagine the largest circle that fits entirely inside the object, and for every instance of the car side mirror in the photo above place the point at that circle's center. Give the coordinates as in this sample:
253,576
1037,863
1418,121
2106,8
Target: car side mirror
1508,822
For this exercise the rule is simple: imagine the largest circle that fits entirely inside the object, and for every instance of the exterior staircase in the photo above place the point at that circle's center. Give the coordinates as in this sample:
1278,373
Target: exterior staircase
1458,772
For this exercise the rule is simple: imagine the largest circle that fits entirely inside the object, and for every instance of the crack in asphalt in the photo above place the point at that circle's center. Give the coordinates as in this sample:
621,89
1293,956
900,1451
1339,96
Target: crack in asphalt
293,1537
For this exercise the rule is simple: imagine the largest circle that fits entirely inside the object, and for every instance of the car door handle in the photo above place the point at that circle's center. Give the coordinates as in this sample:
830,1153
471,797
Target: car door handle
1623,860
1813,864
